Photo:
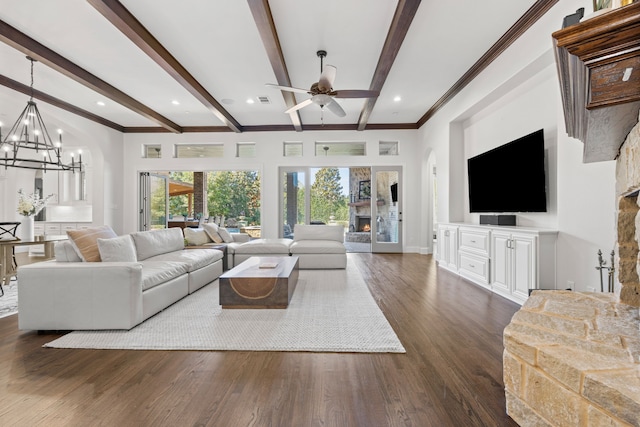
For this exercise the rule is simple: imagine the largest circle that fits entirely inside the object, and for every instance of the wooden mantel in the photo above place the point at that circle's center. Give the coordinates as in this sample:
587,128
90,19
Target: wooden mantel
599,69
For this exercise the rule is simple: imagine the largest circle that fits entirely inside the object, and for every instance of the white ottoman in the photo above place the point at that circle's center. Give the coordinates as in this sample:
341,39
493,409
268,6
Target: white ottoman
239,252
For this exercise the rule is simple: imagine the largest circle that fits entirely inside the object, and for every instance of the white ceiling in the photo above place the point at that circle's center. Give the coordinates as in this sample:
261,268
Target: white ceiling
219,44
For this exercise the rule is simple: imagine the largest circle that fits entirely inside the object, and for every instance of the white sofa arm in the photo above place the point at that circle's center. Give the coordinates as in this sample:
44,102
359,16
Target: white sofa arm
79,295
240,237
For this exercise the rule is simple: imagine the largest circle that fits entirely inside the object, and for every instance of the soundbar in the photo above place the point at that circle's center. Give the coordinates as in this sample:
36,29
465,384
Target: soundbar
498,219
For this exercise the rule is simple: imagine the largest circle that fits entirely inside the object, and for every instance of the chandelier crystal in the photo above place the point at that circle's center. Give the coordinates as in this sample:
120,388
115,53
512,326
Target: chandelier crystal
28,145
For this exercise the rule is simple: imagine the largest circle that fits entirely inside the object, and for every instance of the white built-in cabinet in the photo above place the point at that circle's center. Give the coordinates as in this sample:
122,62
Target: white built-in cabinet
509,261
57,228
447,251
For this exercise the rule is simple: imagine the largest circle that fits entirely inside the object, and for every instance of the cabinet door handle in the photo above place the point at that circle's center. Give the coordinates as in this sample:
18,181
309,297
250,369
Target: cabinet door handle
472,241
472,266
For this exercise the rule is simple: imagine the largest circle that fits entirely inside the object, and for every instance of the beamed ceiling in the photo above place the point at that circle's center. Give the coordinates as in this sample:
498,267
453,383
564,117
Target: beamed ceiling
191,66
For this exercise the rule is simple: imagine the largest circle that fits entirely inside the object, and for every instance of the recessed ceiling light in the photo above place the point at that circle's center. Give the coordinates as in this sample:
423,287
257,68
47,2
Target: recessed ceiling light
175,102
397,99
100,103
250,101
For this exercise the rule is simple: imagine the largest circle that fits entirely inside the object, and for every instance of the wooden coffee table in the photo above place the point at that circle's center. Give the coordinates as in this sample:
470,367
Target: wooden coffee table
252,285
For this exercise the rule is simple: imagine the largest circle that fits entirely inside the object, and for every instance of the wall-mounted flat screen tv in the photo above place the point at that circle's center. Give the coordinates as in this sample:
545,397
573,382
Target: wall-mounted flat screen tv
509,178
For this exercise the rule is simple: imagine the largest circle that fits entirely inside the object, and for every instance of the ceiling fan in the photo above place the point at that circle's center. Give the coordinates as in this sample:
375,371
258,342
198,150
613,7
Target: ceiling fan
322,92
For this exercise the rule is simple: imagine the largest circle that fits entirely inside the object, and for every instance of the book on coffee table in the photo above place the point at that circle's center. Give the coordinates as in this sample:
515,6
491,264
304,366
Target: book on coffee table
268,265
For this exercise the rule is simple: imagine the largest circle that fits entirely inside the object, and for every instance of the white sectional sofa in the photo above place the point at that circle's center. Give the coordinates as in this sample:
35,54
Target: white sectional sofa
70,294
317,247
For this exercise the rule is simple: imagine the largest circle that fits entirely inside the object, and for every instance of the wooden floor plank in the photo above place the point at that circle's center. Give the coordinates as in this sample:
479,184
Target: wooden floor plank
451,374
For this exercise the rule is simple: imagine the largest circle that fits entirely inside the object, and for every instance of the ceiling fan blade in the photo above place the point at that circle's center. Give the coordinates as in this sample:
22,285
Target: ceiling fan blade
287,88
355,93
335,108
299,106
327,77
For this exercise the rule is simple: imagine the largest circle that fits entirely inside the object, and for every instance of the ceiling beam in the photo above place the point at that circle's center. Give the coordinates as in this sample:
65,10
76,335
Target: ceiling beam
400,24
266,27
122,19
520,27
27,90
25,44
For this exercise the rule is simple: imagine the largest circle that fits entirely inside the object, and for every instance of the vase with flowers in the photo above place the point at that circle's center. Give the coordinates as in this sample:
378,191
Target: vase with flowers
30,205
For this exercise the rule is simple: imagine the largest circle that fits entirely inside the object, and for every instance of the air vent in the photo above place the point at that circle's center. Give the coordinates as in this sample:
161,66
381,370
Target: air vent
264,100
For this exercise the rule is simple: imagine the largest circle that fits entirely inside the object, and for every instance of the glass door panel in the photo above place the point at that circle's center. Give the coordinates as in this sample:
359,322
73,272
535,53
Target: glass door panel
386,189
154,196
294,201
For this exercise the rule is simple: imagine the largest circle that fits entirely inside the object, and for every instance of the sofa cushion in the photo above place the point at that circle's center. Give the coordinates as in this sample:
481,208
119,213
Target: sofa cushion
155,273
262,246
157,242
196,236
318,232
317,247
117,249
65,252
212,230
85,241
226,236
193,258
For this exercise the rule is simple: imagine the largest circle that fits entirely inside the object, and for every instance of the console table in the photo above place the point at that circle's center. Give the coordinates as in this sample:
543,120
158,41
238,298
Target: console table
6,253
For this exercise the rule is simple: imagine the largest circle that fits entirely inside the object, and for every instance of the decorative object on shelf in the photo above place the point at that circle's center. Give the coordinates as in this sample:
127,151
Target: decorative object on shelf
601,4
30,133
364,192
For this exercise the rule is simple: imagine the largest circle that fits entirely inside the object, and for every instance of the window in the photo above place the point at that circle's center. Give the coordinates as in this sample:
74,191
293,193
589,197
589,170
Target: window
151,151
245,149
292,149
388,148
198,150
326,148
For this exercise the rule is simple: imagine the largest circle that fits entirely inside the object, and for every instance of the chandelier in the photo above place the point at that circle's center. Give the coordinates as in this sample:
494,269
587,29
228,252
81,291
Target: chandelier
30,133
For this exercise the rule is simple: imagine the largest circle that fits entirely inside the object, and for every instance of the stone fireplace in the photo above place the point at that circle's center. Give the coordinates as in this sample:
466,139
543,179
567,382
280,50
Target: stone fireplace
573,358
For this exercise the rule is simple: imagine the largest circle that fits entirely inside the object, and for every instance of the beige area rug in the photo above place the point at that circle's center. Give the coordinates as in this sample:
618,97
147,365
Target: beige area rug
331,311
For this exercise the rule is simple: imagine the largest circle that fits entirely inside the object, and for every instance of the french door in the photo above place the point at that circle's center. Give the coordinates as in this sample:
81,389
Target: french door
154,196
386,206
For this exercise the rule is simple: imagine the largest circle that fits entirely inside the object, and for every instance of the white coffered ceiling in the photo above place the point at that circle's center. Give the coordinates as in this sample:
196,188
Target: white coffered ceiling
221,44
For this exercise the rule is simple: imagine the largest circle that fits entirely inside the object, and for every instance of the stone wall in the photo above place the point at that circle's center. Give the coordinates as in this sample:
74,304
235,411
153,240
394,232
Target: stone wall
573,359
628,230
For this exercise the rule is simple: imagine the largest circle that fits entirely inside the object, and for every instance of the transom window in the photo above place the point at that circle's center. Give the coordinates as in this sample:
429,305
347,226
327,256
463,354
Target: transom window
198,150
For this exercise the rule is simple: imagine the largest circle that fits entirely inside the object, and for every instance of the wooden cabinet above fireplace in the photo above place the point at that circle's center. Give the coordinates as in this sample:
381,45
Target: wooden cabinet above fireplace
599,69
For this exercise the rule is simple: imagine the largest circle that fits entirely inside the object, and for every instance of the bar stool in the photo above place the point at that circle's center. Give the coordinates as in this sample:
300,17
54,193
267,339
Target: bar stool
8,231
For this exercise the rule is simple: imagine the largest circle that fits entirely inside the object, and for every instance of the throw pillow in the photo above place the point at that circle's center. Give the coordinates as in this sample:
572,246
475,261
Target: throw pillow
85,242
117,249
65,252
212,230
226,237
196,236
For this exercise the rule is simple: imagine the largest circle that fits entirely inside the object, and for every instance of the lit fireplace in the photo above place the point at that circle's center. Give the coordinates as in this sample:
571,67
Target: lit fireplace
363,223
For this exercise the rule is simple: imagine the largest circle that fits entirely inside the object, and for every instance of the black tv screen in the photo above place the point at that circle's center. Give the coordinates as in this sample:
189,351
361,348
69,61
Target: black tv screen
509,178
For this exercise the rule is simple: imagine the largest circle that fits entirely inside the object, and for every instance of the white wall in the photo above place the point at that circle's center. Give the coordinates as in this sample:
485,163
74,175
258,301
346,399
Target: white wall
517,94
269,158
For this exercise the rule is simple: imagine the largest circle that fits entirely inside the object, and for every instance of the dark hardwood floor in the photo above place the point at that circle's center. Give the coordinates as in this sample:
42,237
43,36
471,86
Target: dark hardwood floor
451,374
